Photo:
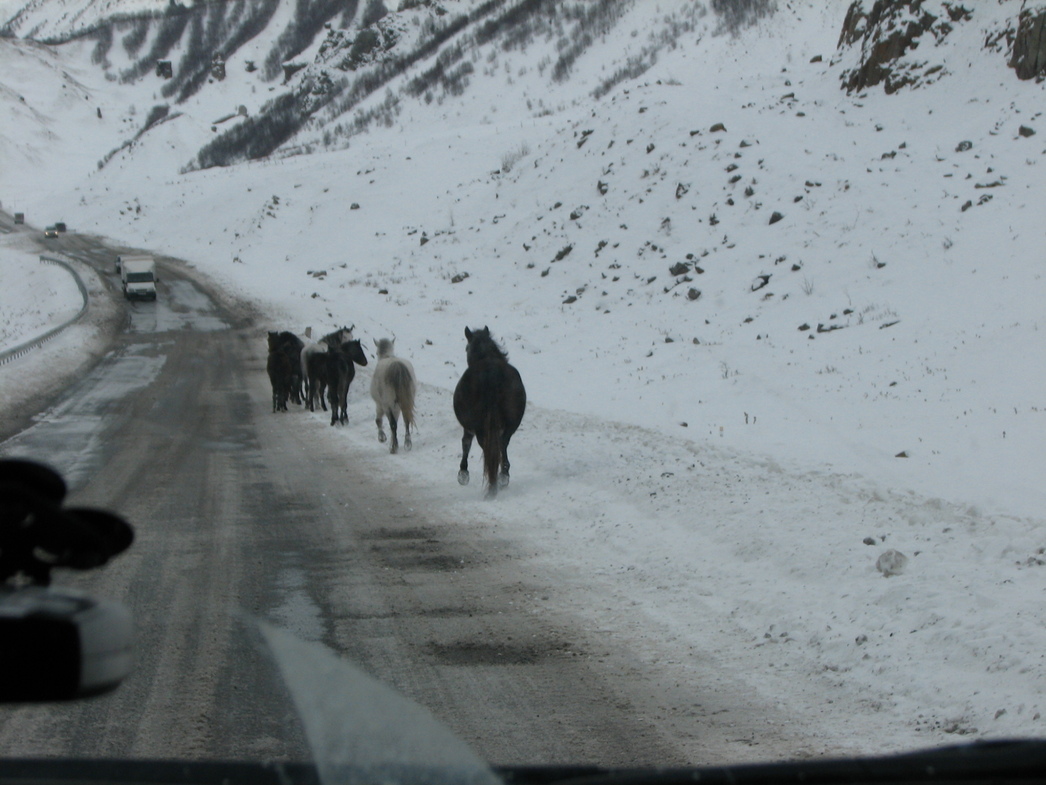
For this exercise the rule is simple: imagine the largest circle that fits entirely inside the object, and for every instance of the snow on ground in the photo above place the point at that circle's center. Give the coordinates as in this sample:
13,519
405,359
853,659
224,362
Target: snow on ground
713,475
35,297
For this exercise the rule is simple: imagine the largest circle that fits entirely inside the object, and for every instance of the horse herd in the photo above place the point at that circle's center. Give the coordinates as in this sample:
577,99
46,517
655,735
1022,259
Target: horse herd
489,399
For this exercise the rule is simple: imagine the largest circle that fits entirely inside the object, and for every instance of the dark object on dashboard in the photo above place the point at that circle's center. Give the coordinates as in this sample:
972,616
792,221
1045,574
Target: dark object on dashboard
37,534
55,644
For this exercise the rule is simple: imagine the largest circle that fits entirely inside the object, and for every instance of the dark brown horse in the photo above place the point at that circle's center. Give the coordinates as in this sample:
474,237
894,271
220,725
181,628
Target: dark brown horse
314,365
278,366
489,402
292,345
341,370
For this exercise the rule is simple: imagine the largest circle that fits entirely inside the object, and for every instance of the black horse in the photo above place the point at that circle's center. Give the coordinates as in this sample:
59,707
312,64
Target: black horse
278,366
314,372
340,371
292,345
313,360
489,402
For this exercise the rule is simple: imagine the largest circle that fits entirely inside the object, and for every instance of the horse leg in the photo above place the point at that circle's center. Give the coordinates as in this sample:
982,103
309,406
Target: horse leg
466,445
378,421
406,436
295,389
395,448
503,477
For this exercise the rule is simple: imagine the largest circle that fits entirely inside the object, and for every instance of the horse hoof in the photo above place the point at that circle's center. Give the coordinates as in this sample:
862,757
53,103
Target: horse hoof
407,445
492,492
394,449
502,480
382,437
463,477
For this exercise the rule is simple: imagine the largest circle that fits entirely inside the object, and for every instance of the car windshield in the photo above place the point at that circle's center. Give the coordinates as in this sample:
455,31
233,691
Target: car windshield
623,384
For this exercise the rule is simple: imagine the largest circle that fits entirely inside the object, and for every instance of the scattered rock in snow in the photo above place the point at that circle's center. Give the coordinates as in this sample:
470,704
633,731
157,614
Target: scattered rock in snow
891,562
775,217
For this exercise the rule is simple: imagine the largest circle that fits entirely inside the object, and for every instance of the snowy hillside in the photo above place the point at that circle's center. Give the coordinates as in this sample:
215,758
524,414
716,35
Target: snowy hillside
696,233
631,216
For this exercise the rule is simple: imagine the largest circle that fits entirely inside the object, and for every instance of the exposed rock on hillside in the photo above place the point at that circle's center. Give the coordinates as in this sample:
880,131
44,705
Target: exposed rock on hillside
890,29
1029,46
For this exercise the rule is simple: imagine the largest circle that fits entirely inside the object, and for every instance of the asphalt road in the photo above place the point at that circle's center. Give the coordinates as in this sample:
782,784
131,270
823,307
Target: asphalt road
240,517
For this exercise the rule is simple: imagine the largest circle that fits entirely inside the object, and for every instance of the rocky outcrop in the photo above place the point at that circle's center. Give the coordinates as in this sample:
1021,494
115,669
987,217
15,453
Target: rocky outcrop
887,30
888,33
1029,45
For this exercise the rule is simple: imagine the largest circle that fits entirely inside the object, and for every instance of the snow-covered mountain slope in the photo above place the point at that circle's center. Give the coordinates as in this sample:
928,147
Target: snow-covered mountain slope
648,213
785,318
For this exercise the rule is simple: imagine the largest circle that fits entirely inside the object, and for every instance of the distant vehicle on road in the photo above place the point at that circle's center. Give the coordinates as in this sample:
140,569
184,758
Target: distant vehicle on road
19,218
138,274
129,257
50,231
60,226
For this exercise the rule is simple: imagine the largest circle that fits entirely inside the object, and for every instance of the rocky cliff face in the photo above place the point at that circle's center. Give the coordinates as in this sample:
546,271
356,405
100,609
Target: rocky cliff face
1029,46
893,36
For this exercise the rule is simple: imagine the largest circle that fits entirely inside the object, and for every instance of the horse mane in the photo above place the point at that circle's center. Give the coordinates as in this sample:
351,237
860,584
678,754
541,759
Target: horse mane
481,347
337,337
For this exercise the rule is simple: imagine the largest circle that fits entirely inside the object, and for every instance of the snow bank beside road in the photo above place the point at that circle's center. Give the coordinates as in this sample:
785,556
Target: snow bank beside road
729,581
34,298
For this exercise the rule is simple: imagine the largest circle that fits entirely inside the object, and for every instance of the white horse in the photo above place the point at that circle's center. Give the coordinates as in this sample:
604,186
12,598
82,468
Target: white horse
393,387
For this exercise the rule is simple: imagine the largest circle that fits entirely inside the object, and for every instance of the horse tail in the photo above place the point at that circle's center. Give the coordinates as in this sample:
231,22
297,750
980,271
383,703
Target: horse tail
491,445
404,386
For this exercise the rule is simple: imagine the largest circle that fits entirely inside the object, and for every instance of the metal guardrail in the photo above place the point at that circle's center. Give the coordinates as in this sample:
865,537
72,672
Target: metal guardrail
24,348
